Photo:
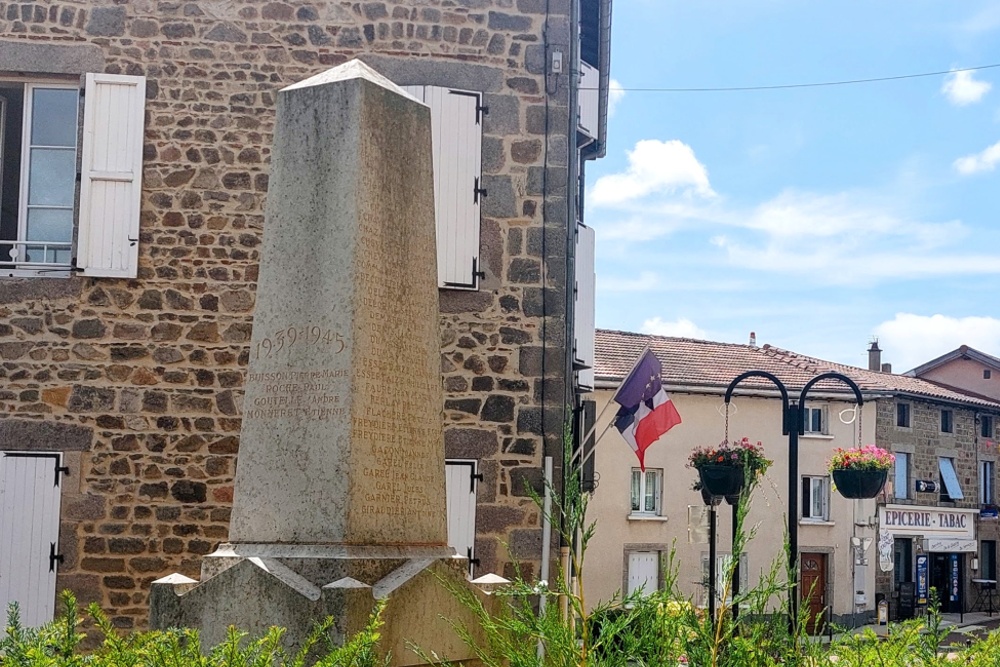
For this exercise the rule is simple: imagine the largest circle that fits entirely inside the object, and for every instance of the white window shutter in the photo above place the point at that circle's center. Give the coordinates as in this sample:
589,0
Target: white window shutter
111,178
29,534
584,319
457,138
460,491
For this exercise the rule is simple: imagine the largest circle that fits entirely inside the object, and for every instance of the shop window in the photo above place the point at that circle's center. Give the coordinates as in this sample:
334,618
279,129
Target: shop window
988,559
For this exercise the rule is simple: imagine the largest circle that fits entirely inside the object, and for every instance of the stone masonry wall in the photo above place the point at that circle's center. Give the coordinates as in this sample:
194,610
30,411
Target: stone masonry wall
141,380
929,443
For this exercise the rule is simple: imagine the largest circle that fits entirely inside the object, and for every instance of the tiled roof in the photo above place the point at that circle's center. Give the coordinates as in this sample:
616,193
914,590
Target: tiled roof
962,351
699,363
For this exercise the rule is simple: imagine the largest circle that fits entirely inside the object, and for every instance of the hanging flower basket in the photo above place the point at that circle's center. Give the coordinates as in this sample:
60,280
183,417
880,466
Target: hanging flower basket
721,480
859,483
707,497
860,472
724,469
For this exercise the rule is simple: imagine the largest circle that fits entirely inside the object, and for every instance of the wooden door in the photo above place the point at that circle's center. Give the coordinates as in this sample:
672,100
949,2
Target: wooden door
29,534
643,571
812,587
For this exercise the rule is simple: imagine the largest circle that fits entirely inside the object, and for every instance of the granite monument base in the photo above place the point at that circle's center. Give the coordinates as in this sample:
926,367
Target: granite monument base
255,593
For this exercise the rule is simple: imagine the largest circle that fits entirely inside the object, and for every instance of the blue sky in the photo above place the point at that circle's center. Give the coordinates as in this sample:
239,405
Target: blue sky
819,217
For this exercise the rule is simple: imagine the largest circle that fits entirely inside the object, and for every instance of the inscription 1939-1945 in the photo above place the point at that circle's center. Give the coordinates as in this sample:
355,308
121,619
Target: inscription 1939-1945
285,339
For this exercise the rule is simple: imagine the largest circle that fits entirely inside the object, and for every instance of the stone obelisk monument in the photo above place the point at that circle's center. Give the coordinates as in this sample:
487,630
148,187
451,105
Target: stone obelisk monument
340,494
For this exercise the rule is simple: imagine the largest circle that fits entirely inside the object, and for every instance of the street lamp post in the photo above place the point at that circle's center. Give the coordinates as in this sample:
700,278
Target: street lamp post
793,426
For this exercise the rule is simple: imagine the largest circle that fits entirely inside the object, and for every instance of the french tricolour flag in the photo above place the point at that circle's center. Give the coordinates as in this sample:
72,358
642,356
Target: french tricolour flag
646,411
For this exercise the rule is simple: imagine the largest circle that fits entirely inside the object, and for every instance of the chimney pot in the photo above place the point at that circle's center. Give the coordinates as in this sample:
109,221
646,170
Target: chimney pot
874,357
886,368
753,339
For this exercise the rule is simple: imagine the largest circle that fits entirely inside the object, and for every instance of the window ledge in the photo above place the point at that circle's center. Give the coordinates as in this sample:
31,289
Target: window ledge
816,436
816,522
647,517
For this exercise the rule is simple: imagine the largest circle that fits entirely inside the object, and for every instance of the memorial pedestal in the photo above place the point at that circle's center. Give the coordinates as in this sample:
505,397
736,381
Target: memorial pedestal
339,497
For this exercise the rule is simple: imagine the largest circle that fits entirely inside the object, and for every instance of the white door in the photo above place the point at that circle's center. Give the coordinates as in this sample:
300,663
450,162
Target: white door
460,491
643,571
29,534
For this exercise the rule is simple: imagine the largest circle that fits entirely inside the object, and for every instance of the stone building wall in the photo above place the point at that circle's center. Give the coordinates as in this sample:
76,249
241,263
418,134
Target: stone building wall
140,381
926,443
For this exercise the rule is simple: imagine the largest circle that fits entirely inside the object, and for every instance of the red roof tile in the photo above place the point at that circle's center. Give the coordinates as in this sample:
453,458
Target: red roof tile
694,363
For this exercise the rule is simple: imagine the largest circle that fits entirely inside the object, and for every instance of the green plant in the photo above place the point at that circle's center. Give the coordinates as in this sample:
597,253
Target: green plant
736,454
869,457
59,644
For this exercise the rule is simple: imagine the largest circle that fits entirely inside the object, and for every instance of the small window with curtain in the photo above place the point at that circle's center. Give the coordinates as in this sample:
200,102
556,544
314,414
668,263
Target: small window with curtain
814,420
646,491
903,415
947,421
901,475
815,498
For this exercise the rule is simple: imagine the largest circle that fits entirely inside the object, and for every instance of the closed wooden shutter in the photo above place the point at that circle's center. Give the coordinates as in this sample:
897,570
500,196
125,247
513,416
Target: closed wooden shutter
457,140
584,317
111,175
643,571
29,534
460,491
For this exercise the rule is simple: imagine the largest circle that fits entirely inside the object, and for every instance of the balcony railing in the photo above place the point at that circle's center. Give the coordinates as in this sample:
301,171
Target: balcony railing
33,255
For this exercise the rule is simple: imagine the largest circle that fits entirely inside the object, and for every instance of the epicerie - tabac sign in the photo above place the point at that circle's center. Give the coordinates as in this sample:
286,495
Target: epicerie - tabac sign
925,521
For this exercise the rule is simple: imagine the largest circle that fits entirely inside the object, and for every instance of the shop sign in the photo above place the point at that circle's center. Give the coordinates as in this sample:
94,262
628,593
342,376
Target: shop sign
926,521
954,578
949,545
922,579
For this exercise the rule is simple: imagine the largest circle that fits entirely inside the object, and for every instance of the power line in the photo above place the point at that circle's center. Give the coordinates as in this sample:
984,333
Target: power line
803,85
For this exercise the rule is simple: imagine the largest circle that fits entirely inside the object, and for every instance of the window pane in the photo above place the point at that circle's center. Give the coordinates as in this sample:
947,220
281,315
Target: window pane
817,499
52,177
901,483
650,505
53,117
806,496
635,490
48,224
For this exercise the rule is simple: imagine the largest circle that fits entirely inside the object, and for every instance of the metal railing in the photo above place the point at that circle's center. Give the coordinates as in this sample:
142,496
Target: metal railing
36,254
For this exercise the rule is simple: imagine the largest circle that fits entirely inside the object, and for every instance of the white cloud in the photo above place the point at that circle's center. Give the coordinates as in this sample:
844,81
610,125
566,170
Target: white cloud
615,95
681,328
655,167
985,160
910,340
961,89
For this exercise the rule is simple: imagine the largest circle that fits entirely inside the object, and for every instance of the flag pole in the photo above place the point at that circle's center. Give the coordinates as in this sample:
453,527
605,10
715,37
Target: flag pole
590,433
594,448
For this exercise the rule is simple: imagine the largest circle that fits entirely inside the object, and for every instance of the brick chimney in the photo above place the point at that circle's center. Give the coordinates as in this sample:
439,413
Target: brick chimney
874,357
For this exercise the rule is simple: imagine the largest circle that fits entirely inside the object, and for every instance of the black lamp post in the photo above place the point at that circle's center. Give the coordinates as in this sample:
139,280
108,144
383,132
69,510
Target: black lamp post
792,425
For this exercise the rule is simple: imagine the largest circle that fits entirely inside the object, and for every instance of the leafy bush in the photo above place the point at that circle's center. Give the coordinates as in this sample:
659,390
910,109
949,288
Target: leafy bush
58,644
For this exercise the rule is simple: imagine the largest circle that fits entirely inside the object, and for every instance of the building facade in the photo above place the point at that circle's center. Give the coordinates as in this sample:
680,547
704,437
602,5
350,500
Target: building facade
856,551
135,148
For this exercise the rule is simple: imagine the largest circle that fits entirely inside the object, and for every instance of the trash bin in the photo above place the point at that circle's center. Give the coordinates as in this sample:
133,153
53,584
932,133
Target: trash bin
883,609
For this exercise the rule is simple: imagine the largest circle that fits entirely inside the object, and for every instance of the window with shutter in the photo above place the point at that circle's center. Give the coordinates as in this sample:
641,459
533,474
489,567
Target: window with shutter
584,319
39,147
111,178
29,534
457,138
460,492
